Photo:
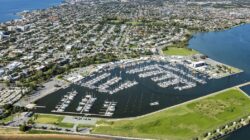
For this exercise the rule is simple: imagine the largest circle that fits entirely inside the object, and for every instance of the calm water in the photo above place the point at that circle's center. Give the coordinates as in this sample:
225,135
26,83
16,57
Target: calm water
241,134
9,8
246,89
231,47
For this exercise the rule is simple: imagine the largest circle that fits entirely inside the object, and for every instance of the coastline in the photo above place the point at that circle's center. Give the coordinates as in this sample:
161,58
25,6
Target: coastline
15,13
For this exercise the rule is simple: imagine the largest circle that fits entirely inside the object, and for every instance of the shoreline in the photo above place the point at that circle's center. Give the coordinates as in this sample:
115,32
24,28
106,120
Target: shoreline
18,15
234,131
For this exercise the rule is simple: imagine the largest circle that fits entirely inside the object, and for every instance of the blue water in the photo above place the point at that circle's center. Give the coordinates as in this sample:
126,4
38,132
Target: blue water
231,47
246,89
9,8
241,134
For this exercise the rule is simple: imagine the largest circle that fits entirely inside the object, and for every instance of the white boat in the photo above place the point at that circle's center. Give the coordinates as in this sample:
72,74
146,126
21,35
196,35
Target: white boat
109,114
79,108
81,103
154,103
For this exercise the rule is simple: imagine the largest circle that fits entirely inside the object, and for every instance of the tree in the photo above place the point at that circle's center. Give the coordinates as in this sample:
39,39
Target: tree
7,83
30,121
23,127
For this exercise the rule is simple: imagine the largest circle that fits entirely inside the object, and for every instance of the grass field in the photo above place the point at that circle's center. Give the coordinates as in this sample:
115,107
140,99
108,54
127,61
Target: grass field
4,131
179,51
185,121
8,119
52,119
48,119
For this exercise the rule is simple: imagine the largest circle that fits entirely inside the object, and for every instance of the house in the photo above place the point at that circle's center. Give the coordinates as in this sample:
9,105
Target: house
22,28
1,72
1,35
13,65
68,47
40,67
1,111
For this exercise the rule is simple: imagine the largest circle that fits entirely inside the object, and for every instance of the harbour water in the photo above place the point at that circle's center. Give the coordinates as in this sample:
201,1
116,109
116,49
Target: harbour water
136,100
231,47
10,8
246,89
241,134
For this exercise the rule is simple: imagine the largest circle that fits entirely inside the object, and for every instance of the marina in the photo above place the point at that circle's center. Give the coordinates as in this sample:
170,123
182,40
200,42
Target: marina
108,108
86,104
65,101
136,86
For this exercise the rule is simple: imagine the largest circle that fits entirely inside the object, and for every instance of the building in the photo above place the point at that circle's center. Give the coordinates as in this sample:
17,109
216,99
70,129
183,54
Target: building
11,28
23,28
198,64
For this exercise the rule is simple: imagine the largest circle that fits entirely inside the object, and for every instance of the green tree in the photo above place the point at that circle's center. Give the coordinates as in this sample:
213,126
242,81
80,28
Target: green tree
23,127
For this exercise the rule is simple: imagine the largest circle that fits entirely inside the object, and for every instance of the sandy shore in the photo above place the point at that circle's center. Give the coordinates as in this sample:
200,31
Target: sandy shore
45,137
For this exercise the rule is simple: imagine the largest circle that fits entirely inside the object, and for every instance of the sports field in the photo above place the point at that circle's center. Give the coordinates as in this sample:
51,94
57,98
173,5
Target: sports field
179,51
185,121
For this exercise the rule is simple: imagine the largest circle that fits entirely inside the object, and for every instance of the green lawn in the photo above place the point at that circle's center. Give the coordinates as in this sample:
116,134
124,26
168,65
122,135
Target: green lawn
48,119
8,119
52,119
32,131
234,70
4,131
185,121
85,126
179,51
67,125
135,23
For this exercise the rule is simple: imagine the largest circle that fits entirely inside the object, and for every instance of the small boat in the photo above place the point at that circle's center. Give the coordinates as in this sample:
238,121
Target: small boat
79,108
81,103
154,103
